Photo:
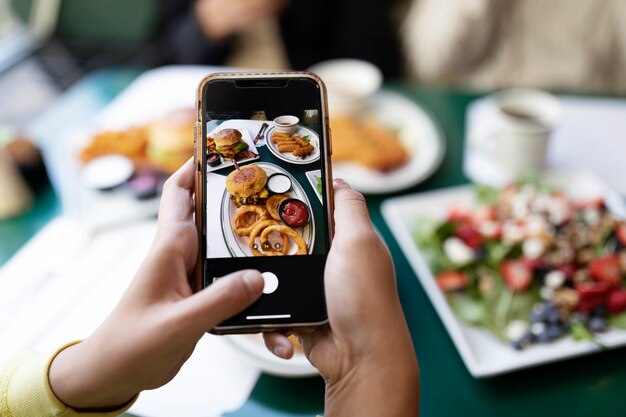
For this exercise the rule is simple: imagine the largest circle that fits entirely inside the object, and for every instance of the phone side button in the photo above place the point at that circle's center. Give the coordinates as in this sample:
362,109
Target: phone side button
271,282
330,142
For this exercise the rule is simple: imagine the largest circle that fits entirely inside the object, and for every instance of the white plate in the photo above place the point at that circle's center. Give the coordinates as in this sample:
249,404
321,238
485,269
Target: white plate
418,132
153,94
288,156
245,136
238,245
252,348
481,351
312,176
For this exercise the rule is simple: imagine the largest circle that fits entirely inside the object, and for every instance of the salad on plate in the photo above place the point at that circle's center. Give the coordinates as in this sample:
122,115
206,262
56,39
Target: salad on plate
530,263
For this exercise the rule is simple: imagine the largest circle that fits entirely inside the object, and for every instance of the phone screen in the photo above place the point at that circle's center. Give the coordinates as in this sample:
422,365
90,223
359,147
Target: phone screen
265,202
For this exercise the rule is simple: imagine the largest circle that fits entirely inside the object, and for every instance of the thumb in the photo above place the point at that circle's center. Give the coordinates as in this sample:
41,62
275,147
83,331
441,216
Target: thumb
224,298
351,215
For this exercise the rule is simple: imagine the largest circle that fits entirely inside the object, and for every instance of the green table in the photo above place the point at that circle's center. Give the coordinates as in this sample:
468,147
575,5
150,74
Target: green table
585,386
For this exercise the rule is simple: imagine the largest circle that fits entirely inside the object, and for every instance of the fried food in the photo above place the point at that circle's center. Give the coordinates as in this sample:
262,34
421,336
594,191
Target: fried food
303,151
288,147
247,217
286,231
267,248
272,204
164,143
368,144
296,344
131,143
295,144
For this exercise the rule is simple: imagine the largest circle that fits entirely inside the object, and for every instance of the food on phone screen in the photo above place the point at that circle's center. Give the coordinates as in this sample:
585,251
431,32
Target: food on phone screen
247,217
286,124
294,212
273,203
285,231
229,144
272,247
269,224
368,144
278,183
213,159
246,185
299,146
318,184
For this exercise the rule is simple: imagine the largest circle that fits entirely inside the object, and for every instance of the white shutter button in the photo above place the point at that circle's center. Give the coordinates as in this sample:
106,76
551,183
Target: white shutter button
271,282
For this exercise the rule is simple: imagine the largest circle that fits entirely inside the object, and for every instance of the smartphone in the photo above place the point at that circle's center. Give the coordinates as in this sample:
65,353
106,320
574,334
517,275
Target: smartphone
263,193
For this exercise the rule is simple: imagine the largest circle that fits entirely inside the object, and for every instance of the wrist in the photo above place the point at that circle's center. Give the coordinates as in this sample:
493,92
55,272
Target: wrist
80,379
384,388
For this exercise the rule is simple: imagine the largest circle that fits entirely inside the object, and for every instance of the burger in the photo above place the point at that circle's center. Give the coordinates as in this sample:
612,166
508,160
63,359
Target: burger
170,139
229,144
246,185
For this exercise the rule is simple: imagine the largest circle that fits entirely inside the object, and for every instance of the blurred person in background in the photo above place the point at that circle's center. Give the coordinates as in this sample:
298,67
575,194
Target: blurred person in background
567,45
278,34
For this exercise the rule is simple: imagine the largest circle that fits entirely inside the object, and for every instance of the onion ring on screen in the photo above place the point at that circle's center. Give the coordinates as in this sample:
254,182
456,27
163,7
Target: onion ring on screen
267,250
272,204
247,217
286,231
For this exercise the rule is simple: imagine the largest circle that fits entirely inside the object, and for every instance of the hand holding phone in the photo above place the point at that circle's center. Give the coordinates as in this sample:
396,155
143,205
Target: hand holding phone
366,354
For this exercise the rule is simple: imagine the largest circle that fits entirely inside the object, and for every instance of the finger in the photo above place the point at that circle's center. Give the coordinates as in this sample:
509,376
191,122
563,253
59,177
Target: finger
223,299
176,200
279,344
351,213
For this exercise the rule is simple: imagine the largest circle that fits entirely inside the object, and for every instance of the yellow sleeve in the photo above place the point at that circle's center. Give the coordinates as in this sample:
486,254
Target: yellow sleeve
25,390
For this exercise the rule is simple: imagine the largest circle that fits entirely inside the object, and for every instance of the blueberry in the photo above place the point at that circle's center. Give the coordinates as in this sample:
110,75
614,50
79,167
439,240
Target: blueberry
554,331
539,313
600,311
598,324
523,342
543,337
553,316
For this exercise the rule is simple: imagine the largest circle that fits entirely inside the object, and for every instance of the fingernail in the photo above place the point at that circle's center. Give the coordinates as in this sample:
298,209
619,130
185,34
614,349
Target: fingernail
340,183
253,280
280,351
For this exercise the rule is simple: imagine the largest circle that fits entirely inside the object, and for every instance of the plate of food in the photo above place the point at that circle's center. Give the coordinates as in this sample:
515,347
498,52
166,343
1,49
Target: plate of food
298,147
315,179
252,348
266,212
522,275
394,145
225,144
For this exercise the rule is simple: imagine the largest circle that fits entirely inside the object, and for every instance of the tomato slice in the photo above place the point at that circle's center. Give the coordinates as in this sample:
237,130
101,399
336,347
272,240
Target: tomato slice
470,236
606,269
452,281
616,301
517,274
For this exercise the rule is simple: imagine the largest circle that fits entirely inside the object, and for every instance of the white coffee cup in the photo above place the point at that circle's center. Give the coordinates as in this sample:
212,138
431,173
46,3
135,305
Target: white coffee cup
350,83
523,122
